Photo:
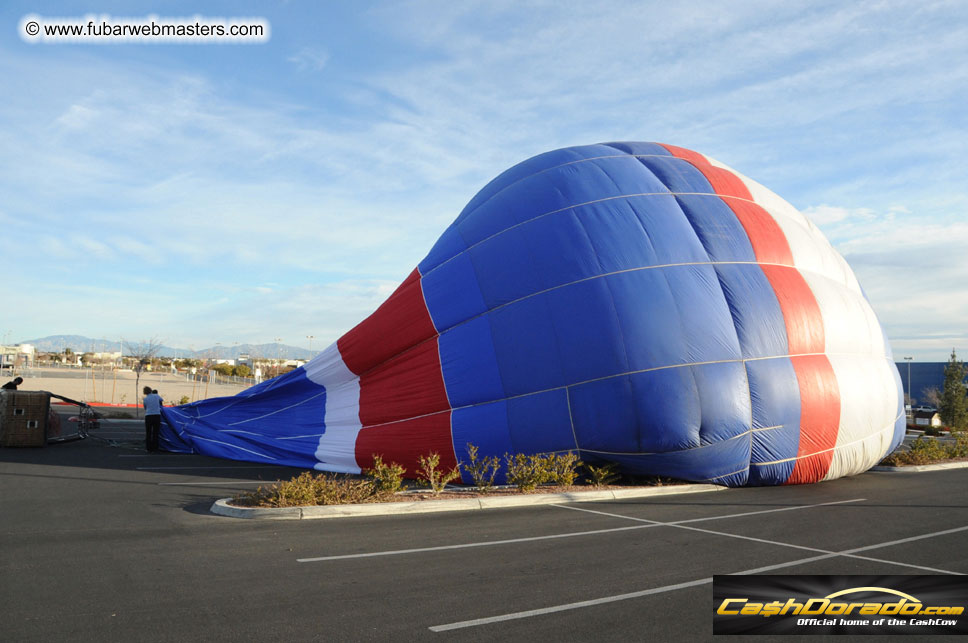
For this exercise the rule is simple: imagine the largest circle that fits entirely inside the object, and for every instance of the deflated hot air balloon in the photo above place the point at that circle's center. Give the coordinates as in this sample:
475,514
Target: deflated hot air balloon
631,302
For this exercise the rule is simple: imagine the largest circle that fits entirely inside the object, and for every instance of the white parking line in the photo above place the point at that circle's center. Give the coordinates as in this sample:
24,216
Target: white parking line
669,588
213,484
764,541
567,606
214,466
651,523
418,550
151,455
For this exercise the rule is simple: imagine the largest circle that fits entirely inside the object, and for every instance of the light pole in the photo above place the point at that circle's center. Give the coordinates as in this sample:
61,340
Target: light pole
908,360
310,338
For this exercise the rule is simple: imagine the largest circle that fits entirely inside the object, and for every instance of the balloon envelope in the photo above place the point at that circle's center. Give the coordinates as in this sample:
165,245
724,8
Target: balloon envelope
637,303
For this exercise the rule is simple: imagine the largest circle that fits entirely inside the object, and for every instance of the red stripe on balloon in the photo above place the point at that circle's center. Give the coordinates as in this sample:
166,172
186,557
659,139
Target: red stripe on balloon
402,392
801,313
819,417
819,391
405,386
404,443
769,243
400,322
724,182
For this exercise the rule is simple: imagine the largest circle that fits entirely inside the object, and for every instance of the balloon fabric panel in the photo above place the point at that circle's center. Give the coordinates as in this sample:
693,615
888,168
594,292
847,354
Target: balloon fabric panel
631,302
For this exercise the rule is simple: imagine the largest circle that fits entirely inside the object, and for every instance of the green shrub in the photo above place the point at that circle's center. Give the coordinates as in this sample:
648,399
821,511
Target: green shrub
526,472
926,451
435,477
481,469
387,478
960,448
562,468
184,400
604,475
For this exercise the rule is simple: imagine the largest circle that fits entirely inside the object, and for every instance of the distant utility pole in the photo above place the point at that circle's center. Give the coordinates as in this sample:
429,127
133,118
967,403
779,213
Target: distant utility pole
310,338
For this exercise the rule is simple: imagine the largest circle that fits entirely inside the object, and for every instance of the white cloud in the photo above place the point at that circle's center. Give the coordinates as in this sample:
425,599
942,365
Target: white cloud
912,271
132,171
307,58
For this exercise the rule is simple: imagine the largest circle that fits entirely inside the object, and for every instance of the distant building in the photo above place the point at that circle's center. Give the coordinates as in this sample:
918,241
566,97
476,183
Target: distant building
927,418
16,356
924,375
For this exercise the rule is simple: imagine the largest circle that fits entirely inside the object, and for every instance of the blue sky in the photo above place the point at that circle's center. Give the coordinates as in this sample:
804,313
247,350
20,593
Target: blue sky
205,193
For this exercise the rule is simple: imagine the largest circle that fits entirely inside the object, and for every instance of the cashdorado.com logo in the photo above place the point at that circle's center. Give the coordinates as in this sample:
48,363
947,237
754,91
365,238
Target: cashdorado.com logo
818,605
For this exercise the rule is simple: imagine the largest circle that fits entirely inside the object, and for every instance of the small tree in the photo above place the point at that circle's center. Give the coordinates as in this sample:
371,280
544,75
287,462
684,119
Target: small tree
954,406
932,396
225,370
142,353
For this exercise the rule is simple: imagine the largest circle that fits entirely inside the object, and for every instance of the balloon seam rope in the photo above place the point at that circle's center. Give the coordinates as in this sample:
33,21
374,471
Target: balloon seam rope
595,202
571,420
558,167
607,377
636,157
889,427
233,446
308,399
610,274
578,281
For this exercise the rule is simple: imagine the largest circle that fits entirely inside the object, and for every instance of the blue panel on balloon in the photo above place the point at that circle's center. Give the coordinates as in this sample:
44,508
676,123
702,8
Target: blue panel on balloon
667,405
560,251
246,426
533,197
672,237
530,167
504,269
775,394
540,423
724,400
614,176
619,240
718,228
526,346
679,175
469,364
639,148
755,310
704,318
452,293
485,426
604,415
587,329
715,462
649,319
770,474
449,245
588,181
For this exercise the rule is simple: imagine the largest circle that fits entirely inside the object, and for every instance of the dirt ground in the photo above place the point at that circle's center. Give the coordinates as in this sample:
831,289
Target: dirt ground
120,387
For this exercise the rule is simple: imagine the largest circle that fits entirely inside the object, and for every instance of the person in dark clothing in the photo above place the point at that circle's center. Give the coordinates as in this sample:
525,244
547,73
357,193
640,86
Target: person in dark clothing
13,384
152,405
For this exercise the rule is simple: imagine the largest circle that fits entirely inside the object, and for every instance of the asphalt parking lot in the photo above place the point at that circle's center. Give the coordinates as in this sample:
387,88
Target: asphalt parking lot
100,541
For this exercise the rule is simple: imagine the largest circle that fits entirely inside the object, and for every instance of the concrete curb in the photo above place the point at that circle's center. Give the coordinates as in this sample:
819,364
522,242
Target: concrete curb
223,508
923,467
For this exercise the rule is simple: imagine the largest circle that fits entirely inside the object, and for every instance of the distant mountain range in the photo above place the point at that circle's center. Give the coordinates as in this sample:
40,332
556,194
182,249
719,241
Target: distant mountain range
81,344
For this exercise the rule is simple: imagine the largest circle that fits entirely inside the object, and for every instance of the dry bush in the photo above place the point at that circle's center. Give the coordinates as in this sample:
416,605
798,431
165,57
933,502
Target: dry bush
481,469
435,477
308,489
